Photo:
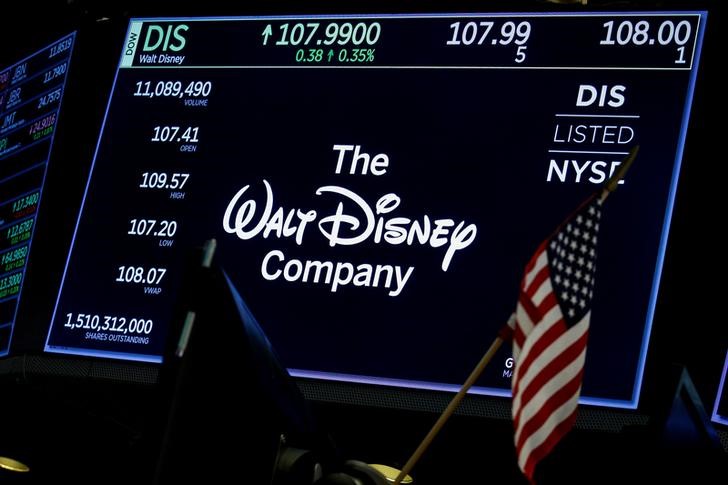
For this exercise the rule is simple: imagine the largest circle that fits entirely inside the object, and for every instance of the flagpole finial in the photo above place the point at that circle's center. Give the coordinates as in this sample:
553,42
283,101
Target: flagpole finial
611,184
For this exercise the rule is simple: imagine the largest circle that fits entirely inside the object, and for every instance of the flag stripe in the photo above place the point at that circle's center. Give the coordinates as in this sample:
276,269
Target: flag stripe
540,287
533,312
534,266
560,370
542,293
533,416
548,314
539,377
536,429
546,347
547,304
549,321
557,426
527,319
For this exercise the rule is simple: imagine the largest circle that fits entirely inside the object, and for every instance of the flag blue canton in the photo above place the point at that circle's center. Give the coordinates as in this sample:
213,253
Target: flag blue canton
572,253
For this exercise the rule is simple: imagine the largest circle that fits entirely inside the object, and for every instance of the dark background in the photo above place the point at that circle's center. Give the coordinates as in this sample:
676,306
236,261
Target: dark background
68,419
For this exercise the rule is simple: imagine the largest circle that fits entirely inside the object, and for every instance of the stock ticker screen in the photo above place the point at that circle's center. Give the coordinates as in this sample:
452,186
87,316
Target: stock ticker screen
376,184
30,99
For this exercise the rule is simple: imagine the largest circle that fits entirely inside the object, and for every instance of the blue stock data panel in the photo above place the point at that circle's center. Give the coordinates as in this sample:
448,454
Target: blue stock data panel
376,185
30,99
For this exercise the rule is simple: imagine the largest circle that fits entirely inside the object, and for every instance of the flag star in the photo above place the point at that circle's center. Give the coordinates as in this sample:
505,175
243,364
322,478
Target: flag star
591,252
591,294
561,236
582,303
587,277
562,253
566,240
573,299
564,295
570,257
589,265
583,248
577,232
594,240
599,201
557,278
580,261
567,270
592,210
596,226
585,290
586,235
553,245
560,265
571,312
566,284
568,228
575,287
579,218
589,223
573,245
577,273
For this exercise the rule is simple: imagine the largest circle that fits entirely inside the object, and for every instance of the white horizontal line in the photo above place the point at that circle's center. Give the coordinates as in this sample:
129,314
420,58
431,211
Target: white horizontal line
576,115
544,68
588,152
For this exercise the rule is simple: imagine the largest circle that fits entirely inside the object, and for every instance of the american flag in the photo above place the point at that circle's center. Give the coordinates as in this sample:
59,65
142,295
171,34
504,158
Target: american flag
550,332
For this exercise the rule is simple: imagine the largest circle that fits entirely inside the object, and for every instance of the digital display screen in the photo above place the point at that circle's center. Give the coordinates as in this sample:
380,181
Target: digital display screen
376,185
30,99
720,409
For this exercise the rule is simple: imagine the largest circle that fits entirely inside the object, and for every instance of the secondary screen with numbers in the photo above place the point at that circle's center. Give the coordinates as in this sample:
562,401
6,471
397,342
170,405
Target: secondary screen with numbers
31,91
376,184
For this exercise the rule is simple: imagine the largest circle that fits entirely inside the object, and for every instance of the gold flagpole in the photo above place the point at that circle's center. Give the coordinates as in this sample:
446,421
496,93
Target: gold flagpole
449,410
611,184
